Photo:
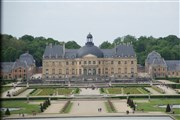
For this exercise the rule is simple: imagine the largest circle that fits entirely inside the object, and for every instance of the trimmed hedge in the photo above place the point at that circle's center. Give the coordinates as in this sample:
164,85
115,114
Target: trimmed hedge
111,106
63,110
132,85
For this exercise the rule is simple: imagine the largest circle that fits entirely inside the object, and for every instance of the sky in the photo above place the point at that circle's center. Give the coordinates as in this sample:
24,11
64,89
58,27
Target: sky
105,20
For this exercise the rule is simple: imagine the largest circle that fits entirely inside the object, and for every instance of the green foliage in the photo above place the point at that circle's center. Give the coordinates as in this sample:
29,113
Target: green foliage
110,107
7,112
72,45
168,46
168,108
106,45
35,46
26,108
67,107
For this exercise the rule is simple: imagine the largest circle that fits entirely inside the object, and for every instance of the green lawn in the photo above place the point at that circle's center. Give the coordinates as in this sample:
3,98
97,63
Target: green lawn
114,90
65,91
158,89
152,105
5,88
126,90
134,90
26,108
51,91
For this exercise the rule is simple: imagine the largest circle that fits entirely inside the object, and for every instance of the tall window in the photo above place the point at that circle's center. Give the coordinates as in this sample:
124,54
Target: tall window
119,70
119,62
89,62
132,62
67,63
73,71
112,62
84,62
125,70
94,62
53,71
80,71
125,62
132,70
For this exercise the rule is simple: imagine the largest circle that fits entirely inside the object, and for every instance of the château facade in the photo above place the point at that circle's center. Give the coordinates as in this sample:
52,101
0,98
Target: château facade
22,68
89,60
156,66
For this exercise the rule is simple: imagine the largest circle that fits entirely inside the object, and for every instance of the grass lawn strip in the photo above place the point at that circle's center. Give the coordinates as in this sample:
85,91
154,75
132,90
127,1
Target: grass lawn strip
122,90
67,107
131,90
25,107
114,90
158,89
142,91
108,108
4,89
152,105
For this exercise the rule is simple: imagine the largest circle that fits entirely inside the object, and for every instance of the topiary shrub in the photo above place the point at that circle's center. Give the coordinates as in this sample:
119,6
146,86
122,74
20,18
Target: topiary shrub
168,108
7,112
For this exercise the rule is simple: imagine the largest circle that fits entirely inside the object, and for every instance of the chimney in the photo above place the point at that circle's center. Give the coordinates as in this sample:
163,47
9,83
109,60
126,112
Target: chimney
63,50
50,45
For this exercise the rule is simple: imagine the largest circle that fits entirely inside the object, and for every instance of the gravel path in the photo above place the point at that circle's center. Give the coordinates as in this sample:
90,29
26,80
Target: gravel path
167,90
152,91
26,92
89,91
55,107
121,105
11,91
87,107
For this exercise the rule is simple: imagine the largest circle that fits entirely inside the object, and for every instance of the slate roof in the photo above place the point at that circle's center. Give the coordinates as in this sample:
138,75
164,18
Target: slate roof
53,51
19,63
28,58
159,62
151,56
6,67
90,48
118,51
24,61
173,65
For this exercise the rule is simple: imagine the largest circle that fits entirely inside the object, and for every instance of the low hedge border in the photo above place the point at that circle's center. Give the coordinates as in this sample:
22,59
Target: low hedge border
64,109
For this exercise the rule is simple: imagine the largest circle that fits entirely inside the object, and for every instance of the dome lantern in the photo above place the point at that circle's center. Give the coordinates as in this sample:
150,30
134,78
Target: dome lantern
89,38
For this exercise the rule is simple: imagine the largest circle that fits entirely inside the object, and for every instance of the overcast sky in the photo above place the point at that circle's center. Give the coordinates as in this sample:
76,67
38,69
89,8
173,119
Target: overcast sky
65,21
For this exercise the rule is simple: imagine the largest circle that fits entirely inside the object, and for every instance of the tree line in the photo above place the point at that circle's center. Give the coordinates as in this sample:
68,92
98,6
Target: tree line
12,47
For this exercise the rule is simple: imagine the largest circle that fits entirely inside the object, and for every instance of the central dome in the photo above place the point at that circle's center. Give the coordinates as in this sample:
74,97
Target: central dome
89,48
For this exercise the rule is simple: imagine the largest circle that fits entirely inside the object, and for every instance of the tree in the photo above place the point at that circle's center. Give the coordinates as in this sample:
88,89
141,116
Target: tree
49,102
27,38
41,107
106,45
7,112
72,45
168,108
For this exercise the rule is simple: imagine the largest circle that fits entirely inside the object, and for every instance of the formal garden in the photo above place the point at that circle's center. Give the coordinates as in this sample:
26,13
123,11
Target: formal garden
53,91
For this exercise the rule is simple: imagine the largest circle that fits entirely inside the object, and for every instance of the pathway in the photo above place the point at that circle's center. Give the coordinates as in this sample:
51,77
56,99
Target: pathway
166,82
89,91
167,90
26,92
55,107
11,91
152,91
121,106
87,107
